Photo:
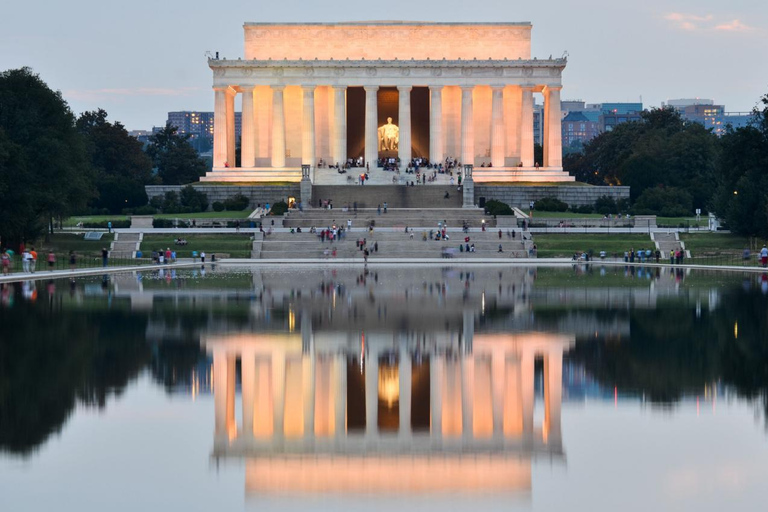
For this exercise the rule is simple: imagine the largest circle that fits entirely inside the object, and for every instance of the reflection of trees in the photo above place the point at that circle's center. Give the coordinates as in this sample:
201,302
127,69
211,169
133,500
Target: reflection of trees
670,351
49,363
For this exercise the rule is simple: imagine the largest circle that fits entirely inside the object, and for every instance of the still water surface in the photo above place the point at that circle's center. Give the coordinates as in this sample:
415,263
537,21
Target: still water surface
421,389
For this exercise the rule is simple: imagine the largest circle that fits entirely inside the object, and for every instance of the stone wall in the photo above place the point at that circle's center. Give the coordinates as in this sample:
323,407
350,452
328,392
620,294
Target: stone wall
257,194
522,196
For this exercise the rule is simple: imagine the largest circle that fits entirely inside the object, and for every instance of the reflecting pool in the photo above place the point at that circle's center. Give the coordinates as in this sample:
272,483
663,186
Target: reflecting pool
579,388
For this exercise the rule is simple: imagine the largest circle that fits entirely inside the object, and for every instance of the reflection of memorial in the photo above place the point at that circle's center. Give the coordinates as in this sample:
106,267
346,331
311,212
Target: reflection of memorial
381,412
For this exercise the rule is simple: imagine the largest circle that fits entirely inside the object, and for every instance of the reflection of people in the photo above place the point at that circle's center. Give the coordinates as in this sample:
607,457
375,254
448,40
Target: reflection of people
389,136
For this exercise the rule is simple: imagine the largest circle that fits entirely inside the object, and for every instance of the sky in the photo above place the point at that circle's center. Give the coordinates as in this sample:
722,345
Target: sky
140,59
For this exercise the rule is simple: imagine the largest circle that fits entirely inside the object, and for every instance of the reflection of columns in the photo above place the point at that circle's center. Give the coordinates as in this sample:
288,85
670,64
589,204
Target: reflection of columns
220,392
371,125
264,423
513,407
231,159
404,113
451,404
308,379
278,126
436,124
467,393
467,126
406,375
553,392
371,393
526,128
340,363
340,124
220,127
278,389
526,385
435,396
248,390
498,368
553,143
497,126
248,130
308,126
468,330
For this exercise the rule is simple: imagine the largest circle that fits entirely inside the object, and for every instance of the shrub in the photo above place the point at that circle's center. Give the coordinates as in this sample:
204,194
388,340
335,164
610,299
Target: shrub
494,207
156,202
103,224
550,204
218,206
236,203
193,200
586,208
279,208
145,210
605,205
162,223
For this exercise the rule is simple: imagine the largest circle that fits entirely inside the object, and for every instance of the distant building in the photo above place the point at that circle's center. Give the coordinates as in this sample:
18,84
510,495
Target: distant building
142,135
198,124
577,128
738,119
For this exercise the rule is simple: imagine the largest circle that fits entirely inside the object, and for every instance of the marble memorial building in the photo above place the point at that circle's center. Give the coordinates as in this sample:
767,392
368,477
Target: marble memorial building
315,93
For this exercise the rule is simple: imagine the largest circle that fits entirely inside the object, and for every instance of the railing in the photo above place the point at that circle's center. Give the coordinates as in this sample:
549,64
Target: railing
730,260
81,262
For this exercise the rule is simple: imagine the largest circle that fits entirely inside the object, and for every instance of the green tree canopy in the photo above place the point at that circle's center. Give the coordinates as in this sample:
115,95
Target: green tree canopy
44,167
121,168
174,158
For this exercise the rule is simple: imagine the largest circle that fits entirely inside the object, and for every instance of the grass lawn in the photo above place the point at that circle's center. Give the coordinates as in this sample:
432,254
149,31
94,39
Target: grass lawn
62,243
551,246
72,221
660,221
717,243
237,246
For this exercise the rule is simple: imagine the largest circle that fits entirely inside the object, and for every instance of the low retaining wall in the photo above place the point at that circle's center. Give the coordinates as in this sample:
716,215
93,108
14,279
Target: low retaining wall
257,195
522,196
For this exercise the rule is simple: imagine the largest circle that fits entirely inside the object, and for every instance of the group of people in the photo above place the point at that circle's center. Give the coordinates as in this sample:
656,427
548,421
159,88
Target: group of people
643,255
165,256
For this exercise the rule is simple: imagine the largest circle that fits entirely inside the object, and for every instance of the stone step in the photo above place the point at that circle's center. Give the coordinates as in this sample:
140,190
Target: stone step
396,196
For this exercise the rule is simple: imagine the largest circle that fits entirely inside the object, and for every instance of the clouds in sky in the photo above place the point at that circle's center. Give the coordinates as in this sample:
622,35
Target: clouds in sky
695,22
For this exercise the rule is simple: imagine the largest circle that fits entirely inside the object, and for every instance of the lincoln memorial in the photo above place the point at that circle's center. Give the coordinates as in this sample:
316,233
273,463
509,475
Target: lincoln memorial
359,94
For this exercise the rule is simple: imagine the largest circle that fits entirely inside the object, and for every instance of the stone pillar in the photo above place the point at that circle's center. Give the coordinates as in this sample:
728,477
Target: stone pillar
467,126
526,128
371,393
230,101
248,129
497,126
404,113
406,375
220,127
436,124
371,125
278,126
553,142
512,119
248,391
308,126
340,124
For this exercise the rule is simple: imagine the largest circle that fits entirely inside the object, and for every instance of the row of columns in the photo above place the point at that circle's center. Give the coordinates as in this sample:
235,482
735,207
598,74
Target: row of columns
476,396
224,139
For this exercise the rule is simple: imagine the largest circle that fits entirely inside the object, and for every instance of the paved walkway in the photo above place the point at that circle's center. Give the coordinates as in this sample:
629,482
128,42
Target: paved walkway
84,272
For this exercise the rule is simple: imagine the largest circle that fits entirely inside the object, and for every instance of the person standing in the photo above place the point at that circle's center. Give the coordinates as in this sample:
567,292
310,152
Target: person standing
109,227
378,210
72,260
25,261
33,260
764,256
385,207
168,255
104,256
51,260
5,259
202,257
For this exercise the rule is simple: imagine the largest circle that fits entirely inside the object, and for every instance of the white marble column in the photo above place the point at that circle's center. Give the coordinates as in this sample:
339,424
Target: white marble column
248,391
340,124
497,125
308,126
248,129
467,126
230,101
404,113
553,142
405,370
220,127
526,128
436,124
371,393
278,126
371,125
513,99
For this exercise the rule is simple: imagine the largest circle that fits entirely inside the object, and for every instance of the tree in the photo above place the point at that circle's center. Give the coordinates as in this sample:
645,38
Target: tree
45,167
742,191
174,158
121,168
